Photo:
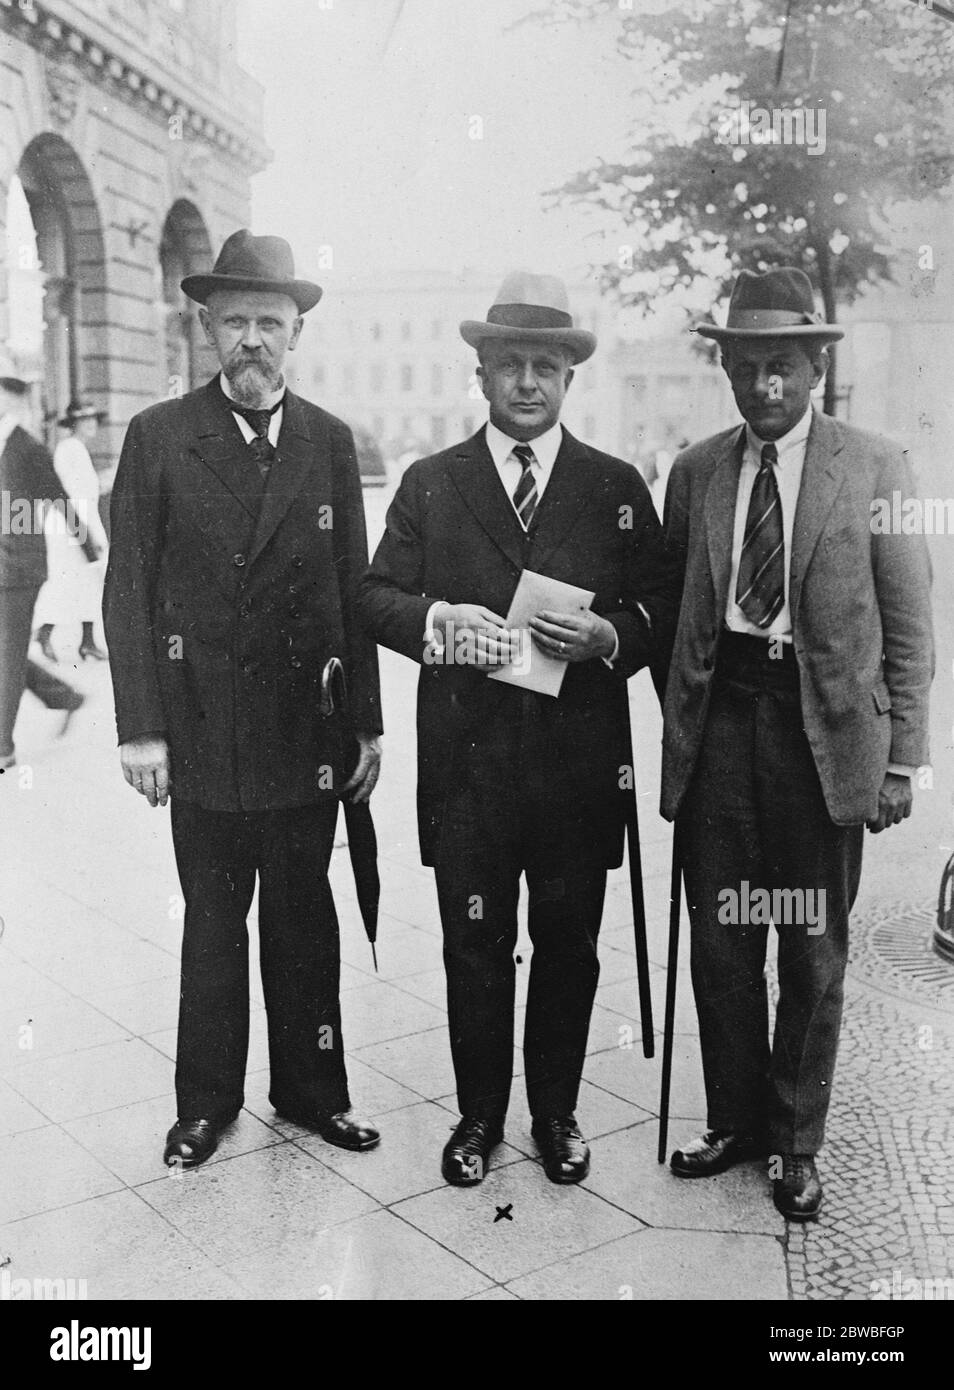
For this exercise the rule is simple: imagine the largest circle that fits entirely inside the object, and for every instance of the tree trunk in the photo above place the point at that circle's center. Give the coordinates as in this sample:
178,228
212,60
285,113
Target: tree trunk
823,254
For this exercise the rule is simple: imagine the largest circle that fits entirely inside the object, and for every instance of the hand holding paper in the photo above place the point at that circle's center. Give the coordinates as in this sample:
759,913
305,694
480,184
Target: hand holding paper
541,665
573,636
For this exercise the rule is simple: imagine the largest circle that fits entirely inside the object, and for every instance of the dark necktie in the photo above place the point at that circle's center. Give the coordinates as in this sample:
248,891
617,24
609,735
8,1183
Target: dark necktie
261,450
525,495
760,591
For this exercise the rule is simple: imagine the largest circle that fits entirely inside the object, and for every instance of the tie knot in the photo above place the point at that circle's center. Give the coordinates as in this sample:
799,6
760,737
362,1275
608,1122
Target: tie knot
769,454
524,455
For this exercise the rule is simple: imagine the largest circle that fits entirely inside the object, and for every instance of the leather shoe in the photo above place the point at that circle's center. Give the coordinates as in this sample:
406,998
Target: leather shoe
566,1157
798,1192
713,1152
467,1152
342,1129
190,1142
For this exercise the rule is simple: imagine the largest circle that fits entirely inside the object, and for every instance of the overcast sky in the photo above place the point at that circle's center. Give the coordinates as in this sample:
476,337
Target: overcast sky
373,130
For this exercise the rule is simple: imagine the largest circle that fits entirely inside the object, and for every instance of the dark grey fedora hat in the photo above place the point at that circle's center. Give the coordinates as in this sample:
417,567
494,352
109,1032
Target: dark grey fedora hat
248,262
778,304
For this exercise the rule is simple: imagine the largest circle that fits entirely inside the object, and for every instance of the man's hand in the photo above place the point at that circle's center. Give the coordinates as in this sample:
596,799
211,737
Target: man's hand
894,802
365,775
145,764
488,641
573,636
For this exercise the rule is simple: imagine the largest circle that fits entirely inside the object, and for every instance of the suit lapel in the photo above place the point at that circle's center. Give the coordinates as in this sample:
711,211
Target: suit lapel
822,478
720,503
225,492
568,495
295,453
478,482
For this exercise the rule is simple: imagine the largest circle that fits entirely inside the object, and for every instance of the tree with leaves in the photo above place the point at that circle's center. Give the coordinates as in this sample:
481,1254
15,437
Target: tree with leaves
705,190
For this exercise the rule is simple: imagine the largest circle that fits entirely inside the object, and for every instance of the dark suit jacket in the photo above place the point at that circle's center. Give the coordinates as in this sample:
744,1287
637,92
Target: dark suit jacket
26,475
861,612
452,534
222,606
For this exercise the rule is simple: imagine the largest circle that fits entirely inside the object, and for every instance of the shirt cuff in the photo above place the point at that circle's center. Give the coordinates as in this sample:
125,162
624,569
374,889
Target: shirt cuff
431,639
610,660
901,769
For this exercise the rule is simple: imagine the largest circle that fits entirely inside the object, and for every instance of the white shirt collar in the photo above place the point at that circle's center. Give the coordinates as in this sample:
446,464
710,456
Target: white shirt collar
8,423
788,443
273,398
545,447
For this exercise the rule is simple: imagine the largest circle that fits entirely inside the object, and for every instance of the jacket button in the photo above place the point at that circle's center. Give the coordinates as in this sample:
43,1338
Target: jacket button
294,612
296,561
246,610
238,561
295,662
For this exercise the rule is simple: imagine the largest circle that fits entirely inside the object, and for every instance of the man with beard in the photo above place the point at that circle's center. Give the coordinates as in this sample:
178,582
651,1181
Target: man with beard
238,539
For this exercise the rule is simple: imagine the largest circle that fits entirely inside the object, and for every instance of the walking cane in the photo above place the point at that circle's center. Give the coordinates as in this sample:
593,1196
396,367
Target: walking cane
669,1023
639,912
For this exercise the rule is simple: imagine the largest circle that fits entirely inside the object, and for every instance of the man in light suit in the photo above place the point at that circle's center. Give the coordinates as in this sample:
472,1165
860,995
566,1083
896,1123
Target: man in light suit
510,780
238,540
796,713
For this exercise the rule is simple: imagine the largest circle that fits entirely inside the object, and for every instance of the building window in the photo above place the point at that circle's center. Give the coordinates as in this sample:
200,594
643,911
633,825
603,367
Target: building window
437,378
376,376
407,377
405,330
438,431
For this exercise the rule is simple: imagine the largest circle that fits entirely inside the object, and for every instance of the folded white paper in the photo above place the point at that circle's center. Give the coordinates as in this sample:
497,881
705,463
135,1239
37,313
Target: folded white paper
533,669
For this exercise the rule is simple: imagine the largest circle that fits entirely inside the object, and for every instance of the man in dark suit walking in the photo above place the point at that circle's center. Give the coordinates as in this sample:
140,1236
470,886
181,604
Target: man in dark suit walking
238,540
796,712
29,487
511,780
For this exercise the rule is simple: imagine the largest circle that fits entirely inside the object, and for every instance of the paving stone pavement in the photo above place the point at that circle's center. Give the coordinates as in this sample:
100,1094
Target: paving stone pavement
91,921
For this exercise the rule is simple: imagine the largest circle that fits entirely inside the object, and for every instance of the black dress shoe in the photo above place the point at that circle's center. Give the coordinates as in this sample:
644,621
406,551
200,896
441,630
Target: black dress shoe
467,1152
342,1129
191,1142
798,1192
713,1152
563,1149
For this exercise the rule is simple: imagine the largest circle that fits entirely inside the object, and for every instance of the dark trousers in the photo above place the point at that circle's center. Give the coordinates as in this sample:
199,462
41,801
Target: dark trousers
755,818
513,812
17,671
218,854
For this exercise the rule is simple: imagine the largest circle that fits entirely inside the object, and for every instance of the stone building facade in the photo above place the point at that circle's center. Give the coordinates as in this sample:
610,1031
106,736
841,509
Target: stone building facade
128,136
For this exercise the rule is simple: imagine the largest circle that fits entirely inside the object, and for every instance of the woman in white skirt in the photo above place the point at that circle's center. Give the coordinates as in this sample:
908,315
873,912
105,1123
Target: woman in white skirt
72,594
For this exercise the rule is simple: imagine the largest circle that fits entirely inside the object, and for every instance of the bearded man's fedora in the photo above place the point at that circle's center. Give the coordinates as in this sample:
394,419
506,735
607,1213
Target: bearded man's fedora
535,309
778,304
248,262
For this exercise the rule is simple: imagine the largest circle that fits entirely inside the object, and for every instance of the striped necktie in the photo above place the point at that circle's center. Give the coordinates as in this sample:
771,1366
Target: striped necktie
760,591
525,496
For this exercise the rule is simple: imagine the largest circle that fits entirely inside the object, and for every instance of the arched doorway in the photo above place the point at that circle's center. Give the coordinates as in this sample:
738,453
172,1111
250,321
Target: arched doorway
57,276
184,249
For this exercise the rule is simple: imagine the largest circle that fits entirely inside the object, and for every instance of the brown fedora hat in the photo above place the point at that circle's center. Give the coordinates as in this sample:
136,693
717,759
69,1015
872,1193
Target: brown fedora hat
534,308
248,262
778,304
